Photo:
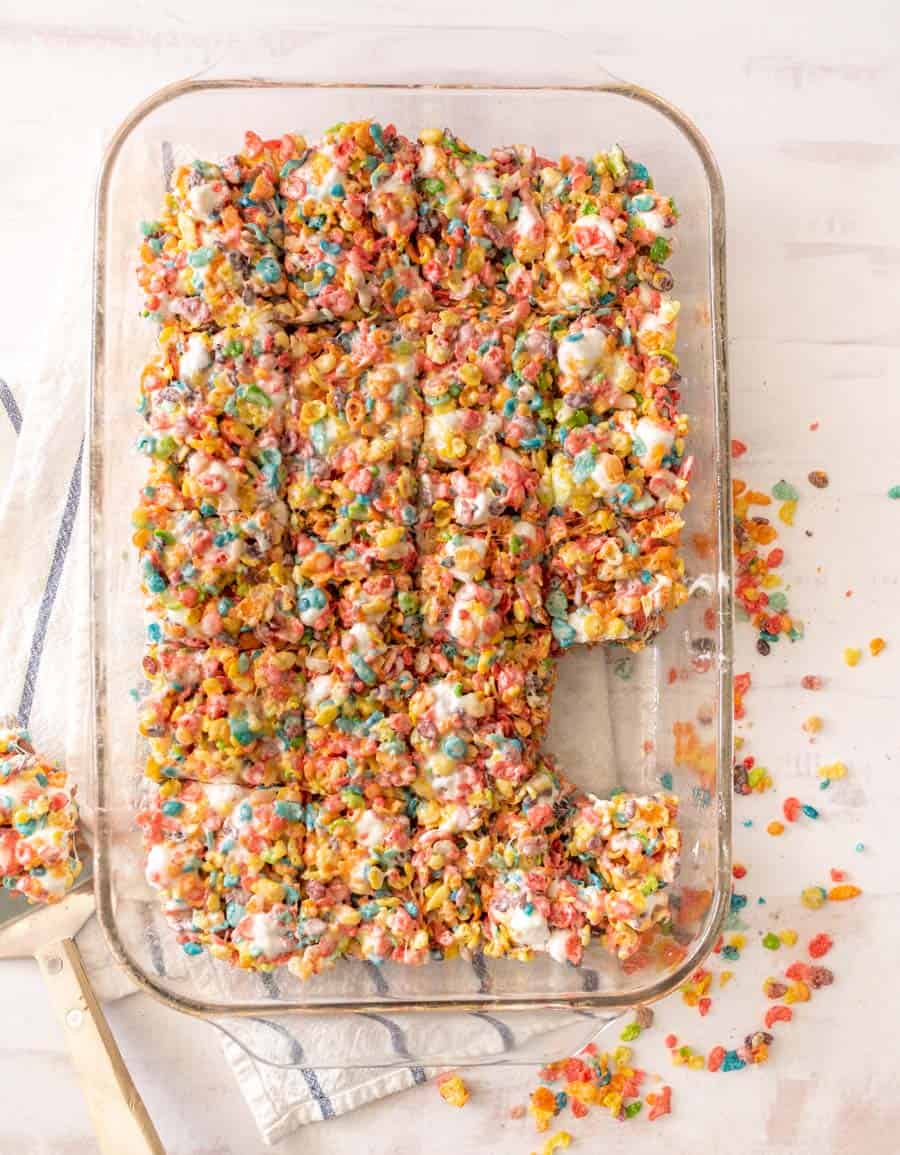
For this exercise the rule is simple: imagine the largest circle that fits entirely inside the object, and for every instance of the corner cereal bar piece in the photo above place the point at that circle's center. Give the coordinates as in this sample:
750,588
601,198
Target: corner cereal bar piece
217,250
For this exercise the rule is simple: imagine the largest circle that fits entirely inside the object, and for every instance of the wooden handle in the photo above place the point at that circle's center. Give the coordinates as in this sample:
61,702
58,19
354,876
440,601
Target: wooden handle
120,1119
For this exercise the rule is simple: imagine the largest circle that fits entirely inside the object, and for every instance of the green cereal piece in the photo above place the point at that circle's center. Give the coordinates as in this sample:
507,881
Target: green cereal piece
784,491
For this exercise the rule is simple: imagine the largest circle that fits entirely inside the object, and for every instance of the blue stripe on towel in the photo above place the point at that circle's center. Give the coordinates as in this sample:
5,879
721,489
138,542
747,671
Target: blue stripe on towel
13,412
60,549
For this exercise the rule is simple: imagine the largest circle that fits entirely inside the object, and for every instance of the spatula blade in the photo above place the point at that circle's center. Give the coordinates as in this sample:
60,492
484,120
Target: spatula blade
24,929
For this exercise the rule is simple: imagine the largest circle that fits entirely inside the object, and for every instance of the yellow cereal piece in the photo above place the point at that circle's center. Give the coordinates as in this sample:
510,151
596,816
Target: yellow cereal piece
788,937
556,1141
833,771
797,992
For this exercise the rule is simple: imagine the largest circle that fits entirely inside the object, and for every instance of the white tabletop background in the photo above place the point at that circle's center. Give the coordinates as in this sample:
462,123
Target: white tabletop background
801,103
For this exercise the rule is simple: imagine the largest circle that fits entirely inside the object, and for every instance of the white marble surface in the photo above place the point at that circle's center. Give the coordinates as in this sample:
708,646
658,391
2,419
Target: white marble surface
801,106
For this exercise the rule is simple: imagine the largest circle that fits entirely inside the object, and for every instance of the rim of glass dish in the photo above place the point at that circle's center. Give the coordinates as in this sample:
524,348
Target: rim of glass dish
102,867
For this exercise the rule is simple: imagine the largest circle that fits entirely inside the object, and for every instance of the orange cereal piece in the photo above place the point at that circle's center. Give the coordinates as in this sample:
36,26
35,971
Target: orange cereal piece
715,1058
843,891
660,1103
775,828
542,1107
778,1014
876,645
791,808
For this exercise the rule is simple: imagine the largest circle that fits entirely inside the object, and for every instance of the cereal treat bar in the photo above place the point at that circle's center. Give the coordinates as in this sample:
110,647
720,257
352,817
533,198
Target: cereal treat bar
38,820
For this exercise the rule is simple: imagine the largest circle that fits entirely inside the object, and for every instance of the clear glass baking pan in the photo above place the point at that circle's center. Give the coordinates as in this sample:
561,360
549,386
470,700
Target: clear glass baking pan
619,719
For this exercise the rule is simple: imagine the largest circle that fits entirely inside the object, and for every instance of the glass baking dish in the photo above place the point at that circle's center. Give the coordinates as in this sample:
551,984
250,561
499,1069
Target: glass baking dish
619,719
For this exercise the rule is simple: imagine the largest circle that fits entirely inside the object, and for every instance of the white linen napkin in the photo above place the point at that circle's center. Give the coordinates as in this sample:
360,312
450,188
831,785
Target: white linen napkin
44,641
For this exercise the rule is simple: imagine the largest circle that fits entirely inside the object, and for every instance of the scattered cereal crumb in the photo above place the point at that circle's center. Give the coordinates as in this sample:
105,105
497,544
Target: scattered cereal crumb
813,426
859,847
784,491
814,897
812,725
786,512
453,1090
644,1016
818,478
517,1112
788,936
715,1058
797,992
812,682
852,656
778,1014
833,771
738,448
775,828
843,891
791,808
894,493
660,1103
876,645
555,1141
771,941
819,945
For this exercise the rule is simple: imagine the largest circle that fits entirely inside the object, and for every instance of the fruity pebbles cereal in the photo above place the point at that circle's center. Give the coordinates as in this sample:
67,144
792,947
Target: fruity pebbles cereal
412,432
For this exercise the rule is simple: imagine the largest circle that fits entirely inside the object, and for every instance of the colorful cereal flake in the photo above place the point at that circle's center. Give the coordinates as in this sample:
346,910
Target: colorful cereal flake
453,1090
594,1079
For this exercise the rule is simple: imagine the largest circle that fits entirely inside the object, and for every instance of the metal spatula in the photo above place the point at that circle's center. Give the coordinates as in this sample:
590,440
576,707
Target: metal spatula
47,933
